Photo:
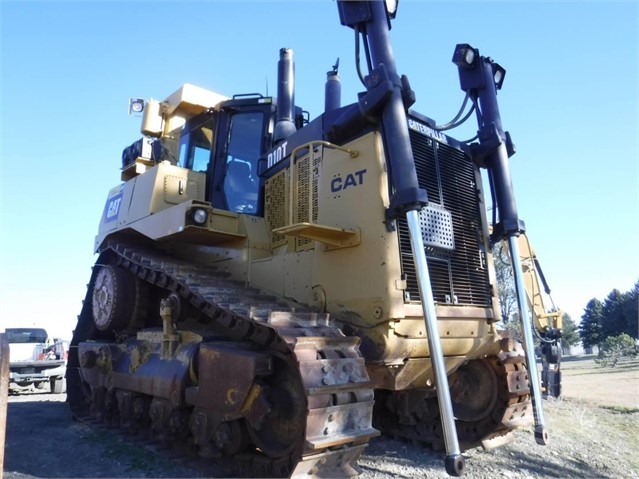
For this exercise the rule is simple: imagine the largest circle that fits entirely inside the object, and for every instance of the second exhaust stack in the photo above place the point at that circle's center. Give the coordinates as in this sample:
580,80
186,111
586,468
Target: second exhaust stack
333,89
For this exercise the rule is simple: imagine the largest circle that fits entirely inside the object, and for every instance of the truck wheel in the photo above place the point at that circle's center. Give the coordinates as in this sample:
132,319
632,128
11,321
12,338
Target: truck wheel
56,385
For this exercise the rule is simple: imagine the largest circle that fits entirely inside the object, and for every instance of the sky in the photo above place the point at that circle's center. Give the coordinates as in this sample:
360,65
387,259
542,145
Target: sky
68,69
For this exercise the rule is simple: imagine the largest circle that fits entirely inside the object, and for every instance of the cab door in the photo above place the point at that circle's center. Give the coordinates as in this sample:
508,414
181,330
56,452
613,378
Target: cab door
243,138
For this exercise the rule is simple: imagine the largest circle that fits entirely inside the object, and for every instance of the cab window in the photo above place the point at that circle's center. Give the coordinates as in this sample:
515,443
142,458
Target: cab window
241,184
195,147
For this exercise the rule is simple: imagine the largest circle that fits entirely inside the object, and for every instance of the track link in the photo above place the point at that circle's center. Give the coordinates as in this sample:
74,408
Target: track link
338,393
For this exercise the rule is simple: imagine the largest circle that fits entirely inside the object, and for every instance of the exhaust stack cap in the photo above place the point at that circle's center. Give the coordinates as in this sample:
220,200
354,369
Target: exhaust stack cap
333,89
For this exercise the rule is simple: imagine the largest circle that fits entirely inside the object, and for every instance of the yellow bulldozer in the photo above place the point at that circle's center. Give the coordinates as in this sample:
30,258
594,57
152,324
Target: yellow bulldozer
273,291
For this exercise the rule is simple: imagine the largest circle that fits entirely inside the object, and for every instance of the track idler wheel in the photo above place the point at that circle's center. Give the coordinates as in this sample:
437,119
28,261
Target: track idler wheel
113,298
474,391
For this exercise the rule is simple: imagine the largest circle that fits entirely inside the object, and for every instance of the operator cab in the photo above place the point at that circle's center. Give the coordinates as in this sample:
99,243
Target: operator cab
226,144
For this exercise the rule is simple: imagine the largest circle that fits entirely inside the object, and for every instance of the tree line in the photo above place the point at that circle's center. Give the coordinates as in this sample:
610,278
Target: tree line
613,317
616,315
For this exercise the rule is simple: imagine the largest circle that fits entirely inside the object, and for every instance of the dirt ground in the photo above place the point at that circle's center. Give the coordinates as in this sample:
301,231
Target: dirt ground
619,386
593,434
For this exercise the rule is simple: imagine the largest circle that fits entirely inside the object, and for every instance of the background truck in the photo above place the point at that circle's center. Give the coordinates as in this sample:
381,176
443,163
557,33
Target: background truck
35,359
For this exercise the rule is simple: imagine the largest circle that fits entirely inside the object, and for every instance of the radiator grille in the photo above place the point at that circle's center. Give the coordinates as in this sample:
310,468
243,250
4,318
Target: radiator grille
276,205
448,176
277,198
305,208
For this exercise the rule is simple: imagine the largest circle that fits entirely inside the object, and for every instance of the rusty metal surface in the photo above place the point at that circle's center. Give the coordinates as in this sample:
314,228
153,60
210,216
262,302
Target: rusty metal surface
416,417
318,371
138,366
326,380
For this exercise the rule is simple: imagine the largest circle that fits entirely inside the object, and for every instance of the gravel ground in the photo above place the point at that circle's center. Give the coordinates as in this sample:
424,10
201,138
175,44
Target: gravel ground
587,441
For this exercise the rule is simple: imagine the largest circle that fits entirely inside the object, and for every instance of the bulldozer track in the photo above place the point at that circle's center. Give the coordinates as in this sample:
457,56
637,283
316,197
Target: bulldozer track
338,395
511,409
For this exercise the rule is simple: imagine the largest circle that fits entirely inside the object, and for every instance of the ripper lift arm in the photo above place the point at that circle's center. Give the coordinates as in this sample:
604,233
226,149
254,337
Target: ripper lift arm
480,78
547,321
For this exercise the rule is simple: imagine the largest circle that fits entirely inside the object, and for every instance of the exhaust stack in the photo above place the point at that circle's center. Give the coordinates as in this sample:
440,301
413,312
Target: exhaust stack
333,89
285,120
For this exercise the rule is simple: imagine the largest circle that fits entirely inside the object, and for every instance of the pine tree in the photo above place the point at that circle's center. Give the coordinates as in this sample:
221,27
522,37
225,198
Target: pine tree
590,328
613,323
569,332
631,312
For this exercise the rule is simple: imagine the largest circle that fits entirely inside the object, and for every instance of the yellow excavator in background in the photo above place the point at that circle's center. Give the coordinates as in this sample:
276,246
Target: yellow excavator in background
547,321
